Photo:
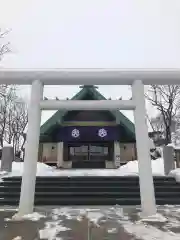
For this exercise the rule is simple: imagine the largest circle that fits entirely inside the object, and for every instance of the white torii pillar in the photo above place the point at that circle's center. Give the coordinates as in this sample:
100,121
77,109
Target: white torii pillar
148,203
26,204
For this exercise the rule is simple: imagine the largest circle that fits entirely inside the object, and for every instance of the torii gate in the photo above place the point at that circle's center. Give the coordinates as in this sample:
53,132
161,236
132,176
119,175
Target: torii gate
137,78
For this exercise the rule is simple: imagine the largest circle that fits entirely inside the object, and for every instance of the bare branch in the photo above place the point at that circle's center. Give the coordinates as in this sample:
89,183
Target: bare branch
13,117
166,100
4,47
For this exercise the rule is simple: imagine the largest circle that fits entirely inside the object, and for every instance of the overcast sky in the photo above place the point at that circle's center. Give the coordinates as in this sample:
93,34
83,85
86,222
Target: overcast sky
91,33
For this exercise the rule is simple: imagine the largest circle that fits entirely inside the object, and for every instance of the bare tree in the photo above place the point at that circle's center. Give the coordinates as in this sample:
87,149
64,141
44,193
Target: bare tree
4,47
13,118
6,101
166,100
156,123
18,124
13,110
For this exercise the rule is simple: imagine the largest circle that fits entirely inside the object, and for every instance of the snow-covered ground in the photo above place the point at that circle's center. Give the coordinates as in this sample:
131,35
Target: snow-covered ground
59,221
130,169
132,224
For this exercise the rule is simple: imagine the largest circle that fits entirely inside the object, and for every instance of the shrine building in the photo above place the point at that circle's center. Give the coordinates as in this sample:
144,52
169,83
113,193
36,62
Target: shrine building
87,139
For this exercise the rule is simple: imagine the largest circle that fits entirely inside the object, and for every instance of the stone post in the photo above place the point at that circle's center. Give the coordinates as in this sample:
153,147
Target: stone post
117,154
168,155
7,158
177,156
59,154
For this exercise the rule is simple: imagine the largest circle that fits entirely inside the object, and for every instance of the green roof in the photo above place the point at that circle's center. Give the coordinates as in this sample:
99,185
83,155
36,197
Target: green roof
57,118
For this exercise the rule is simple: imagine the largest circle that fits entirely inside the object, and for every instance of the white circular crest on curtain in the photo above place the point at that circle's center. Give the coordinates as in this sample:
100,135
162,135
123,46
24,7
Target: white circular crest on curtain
102,132
75,133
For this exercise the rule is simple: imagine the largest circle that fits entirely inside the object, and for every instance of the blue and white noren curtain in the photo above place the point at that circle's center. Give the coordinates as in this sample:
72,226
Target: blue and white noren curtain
88,133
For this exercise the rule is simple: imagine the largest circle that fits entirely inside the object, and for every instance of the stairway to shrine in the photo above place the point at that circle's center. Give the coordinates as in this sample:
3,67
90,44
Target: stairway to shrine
89,190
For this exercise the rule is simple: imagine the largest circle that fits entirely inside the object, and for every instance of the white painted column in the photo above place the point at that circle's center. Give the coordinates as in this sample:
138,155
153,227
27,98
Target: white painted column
117,154
26,204
148,203
60,154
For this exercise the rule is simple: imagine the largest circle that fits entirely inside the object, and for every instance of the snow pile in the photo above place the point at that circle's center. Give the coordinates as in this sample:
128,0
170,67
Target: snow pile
176,174
52,229
130,169
158,166
35,216
7,145
17,238
94,217
174,146
17,169
158,218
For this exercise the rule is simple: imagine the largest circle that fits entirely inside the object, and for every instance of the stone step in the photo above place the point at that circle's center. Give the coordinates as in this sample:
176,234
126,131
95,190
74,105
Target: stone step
57,188
91,194
90,191
62,201
89,178
89,183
